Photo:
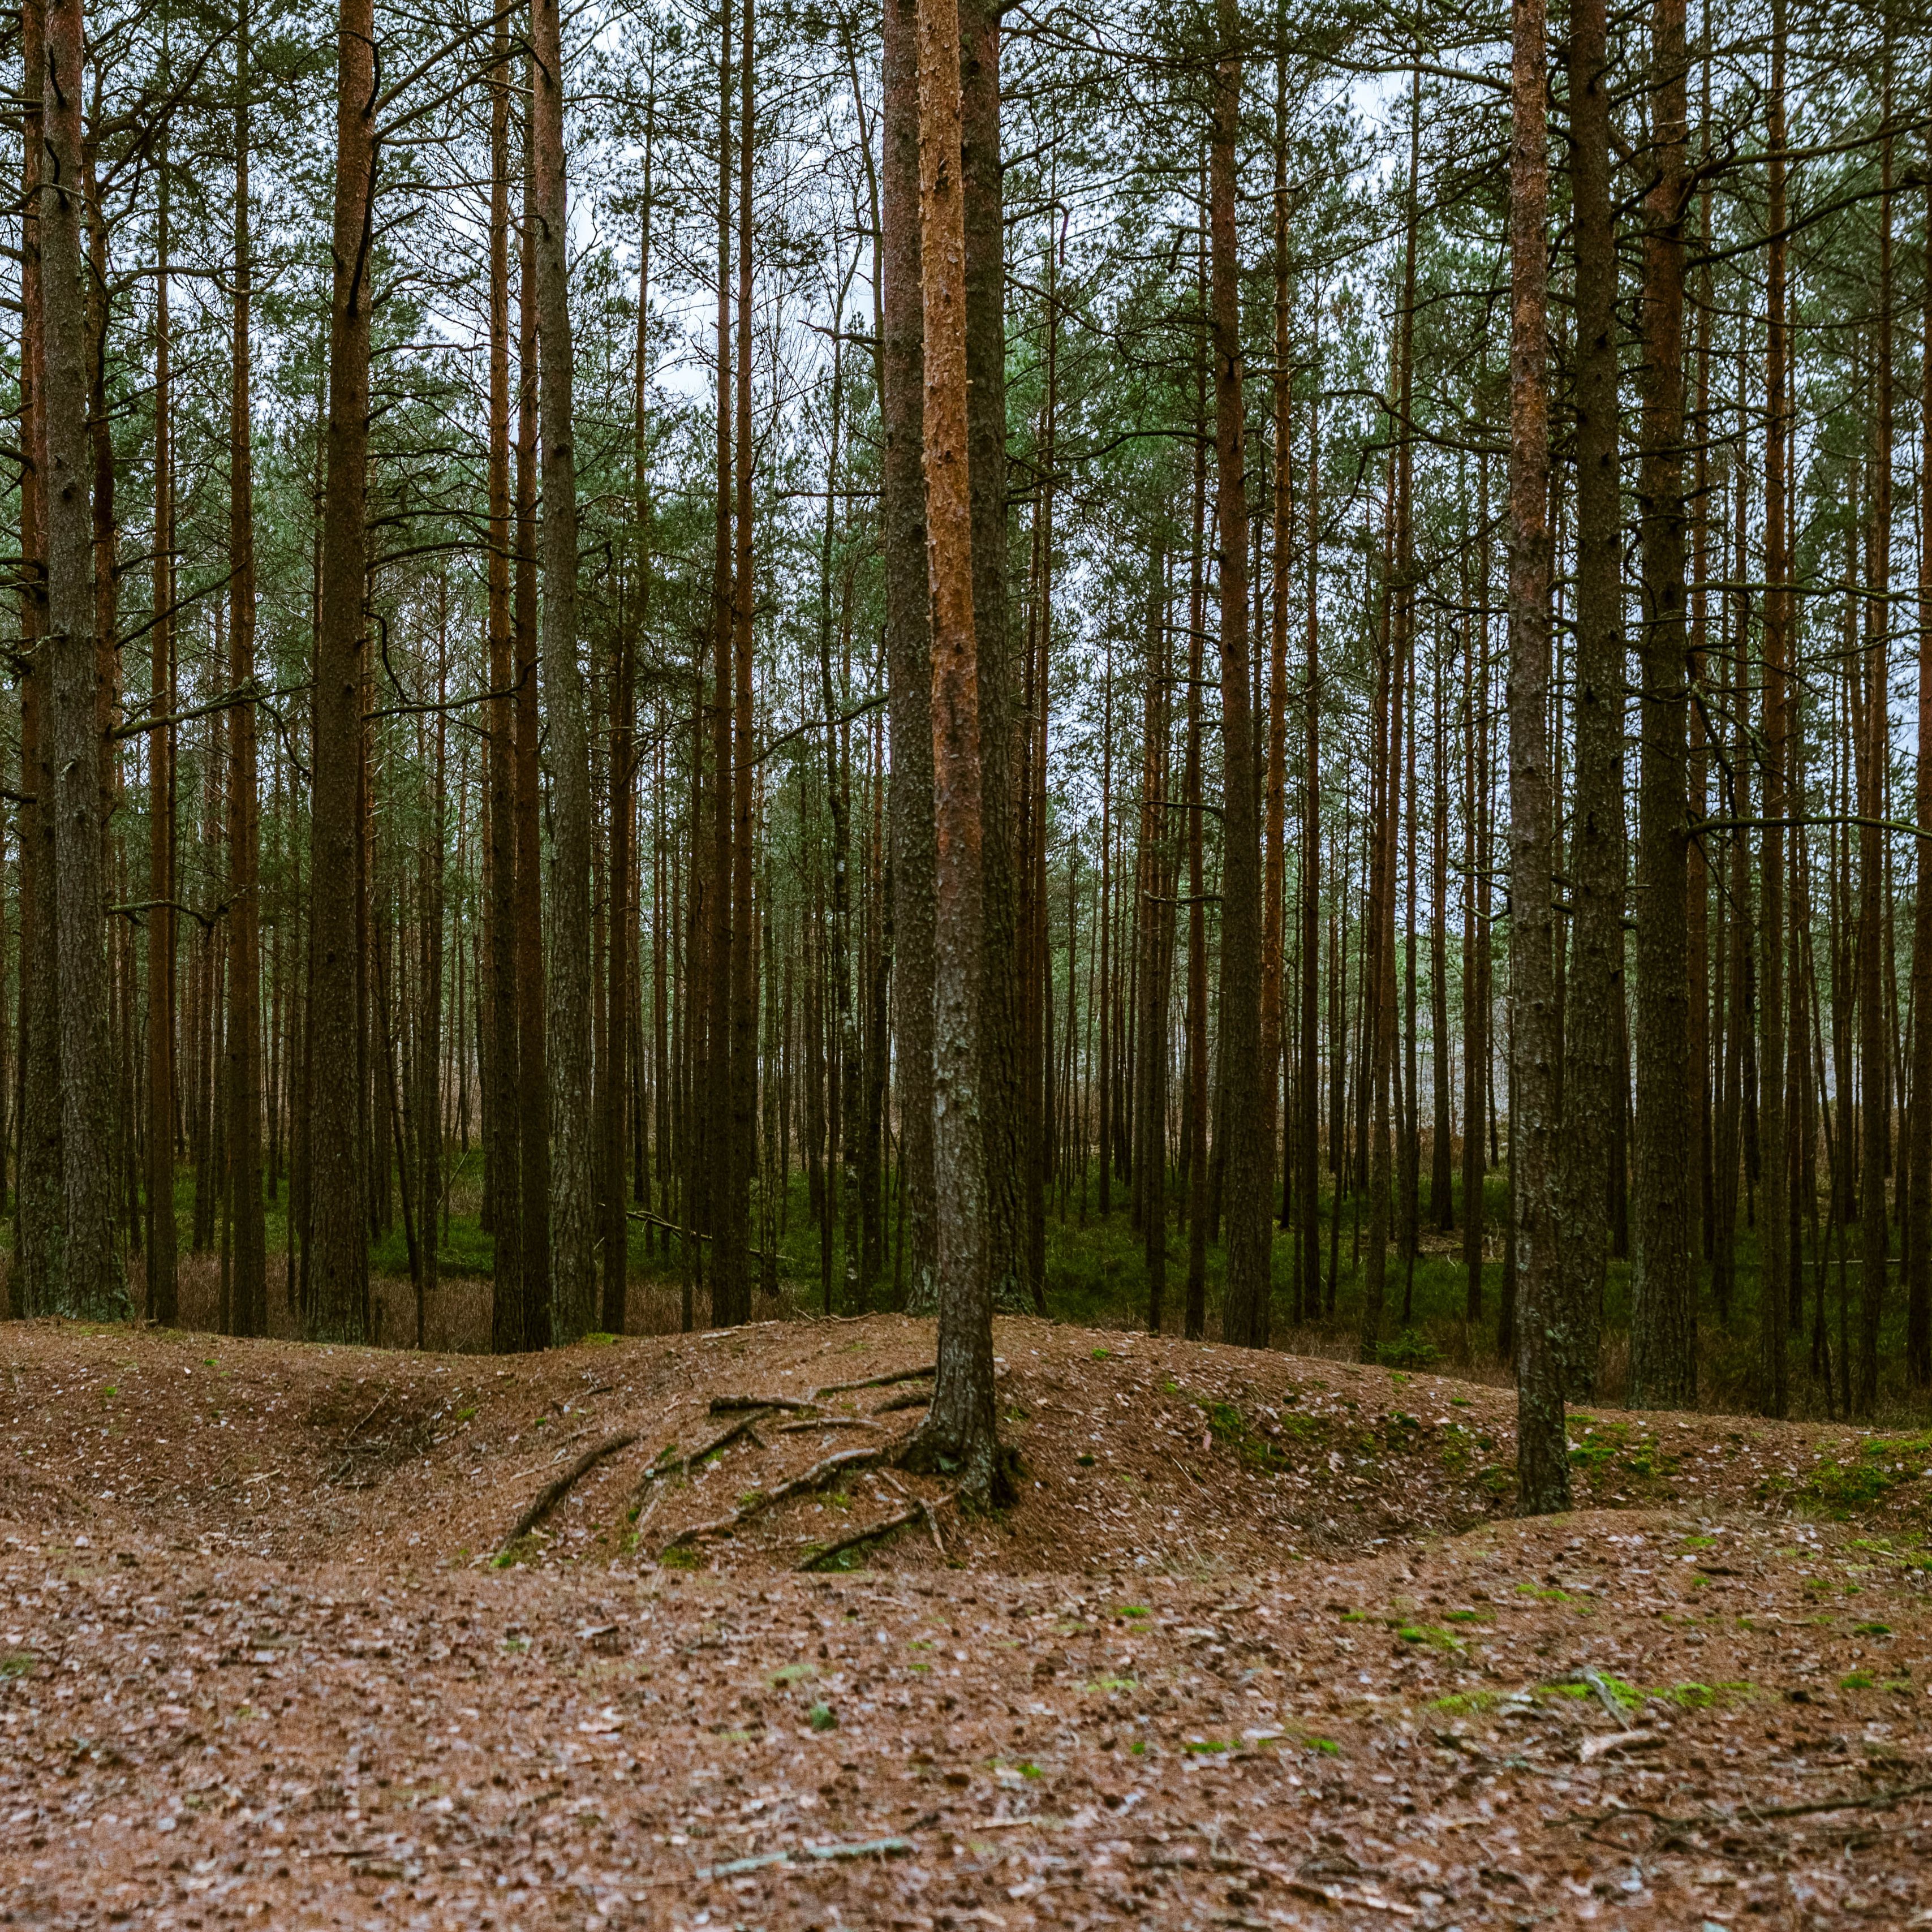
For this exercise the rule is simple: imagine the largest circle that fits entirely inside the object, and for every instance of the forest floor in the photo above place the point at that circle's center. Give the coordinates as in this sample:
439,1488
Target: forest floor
1259,1645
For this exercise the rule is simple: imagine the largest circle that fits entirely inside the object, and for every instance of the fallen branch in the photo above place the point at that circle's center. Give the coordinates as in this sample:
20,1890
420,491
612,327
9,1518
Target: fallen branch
834,1465
1604,1742
912,1399
1322,1895
693,1234
729,1404
827,1422
548,1497
1878,1801
1606,1696
874,1848
879,1381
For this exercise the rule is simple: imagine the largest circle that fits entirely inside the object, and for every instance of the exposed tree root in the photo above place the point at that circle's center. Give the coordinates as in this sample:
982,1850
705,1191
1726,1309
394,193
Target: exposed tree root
879,1381
729,1404
840,1463
553,1492
828,1422
930,1511
986,1473
912,1399
859,1537
674,1465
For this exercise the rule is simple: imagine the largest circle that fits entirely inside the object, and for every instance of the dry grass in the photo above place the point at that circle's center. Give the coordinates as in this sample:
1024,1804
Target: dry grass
455,1319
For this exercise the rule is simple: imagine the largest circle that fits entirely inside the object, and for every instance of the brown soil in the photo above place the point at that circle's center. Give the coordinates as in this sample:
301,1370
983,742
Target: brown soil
1258,1646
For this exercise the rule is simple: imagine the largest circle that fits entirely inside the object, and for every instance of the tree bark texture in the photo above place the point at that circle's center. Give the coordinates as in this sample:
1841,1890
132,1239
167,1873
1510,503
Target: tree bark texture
573,1222
90,1287
908,645
1250,1165
960,1433
1595,987
1542,1468
1664,1326
249,1292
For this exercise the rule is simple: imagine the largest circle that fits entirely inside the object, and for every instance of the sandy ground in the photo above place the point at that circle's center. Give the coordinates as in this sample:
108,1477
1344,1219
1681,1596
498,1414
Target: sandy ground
1258,1646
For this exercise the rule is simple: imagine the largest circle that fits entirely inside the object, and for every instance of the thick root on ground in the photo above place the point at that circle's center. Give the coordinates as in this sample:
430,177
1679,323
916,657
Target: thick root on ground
985,1474
839,1464
553,1492
858,1538
879,1381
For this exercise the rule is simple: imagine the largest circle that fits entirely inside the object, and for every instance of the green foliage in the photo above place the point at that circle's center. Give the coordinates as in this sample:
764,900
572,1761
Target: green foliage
1410,1349
1881,1466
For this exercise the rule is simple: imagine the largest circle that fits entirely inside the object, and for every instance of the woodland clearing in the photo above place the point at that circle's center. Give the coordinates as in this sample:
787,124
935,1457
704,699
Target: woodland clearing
1261,1646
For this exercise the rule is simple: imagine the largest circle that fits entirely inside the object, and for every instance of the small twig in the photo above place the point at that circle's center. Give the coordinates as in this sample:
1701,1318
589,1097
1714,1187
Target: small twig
548,1497
694,1234
380,1401
637,1529
1606,1697
1322,1895
1879,1801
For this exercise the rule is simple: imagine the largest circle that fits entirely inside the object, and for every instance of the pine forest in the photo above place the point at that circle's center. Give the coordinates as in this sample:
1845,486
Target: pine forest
1194,726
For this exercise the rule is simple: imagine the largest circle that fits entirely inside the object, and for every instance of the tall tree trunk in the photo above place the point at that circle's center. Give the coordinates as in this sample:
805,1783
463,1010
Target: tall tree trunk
338,1261
1100,1001
1664,1326
1311,864
1150,1165
429,1089
250,1260
908,644
720,937
502,1072
1874,1136
573,1222
1000,1036
39,1240
1919,1287
163,1287
1194,1111
1250,1165
1542,1468
840,1177
962,1425
525,1324
91,1287
615,1087
731,1283
1773,1293
1595,986
1275,798
1442,1184
1475,1034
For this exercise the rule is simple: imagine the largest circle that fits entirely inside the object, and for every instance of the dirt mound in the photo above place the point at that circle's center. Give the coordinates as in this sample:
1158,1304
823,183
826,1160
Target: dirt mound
1140,1452
1254,1648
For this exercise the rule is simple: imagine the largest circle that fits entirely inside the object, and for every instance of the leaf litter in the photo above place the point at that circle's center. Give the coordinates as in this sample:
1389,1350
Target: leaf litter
1260,1645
